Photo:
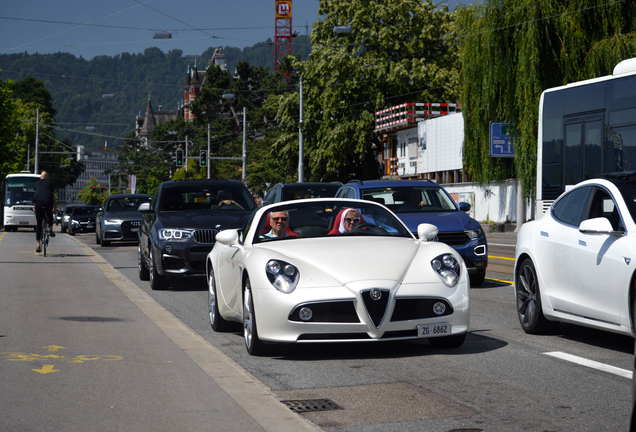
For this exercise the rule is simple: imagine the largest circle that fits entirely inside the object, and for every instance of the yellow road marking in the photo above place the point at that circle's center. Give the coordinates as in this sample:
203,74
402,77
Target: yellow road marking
503,258
46,369
54,348
500,281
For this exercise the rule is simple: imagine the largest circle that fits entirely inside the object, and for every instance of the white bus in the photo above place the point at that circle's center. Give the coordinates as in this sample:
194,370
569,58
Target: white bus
586,129
17,194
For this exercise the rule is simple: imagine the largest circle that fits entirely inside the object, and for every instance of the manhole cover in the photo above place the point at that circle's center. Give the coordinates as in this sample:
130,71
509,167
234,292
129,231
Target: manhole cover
91,319
311,405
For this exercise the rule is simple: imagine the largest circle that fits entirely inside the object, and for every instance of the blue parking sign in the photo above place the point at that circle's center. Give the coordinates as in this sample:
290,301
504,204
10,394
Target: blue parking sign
501,142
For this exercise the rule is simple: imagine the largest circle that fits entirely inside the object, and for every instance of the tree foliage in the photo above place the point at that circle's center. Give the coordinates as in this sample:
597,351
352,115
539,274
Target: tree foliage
399,51
513,50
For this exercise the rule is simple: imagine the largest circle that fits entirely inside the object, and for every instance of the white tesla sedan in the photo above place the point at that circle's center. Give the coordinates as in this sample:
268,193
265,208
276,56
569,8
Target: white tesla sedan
577,263
336,270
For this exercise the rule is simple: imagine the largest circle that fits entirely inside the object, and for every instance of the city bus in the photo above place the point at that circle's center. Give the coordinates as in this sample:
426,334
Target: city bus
586,129
17,194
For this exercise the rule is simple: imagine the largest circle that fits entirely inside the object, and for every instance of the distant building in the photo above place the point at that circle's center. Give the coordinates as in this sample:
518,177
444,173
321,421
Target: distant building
146,123
95,162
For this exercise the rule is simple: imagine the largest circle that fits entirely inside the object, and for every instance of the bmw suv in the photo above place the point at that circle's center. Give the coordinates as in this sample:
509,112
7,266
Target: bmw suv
179,226
423,201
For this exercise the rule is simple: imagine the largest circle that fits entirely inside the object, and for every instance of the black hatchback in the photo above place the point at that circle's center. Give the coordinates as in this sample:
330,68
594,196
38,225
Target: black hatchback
179,226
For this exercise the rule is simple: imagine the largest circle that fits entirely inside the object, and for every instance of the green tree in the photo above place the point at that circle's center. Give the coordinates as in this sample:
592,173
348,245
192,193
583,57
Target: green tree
511,51
90,196
9,142
399,51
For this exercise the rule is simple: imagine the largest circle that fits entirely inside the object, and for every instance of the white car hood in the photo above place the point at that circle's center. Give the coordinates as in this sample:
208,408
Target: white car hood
348,259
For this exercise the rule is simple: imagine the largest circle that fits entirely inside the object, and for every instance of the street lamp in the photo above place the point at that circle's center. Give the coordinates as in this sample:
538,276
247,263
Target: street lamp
244,156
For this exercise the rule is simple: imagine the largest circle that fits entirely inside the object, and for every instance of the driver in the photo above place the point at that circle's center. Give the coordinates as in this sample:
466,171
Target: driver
279,221
226,198
350,220
415,201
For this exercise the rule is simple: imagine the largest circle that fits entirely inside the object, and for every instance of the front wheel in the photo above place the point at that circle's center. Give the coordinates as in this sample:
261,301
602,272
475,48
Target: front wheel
253,344
157,282
216,320
529,307
478,278
144,274
97,241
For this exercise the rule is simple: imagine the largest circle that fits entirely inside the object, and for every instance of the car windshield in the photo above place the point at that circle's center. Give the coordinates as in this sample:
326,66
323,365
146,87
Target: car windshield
206,197
300,191
327,219
407,199
125,203
85,211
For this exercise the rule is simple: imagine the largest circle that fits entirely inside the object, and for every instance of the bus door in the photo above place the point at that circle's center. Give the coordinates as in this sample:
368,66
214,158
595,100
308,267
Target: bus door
583,148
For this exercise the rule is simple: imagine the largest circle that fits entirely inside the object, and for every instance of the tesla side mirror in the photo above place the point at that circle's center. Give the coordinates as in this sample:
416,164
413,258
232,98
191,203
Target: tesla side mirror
427,232
598,226
144,208
464,206
228,237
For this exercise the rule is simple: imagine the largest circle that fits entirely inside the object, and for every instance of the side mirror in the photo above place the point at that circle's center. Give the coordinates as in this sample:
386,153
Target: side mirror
464,206
144,208
427,232
598,226
228,237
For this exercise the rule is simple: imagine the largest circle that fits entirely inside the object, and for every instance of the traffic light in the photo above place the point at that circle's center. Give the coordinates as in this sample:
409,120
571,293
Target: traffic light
101,189
179,158
94,188
203,158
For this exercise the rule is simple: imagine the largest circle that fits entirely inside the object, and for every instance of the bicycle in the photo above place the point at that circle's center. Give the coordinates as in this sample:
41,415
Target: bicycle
44,238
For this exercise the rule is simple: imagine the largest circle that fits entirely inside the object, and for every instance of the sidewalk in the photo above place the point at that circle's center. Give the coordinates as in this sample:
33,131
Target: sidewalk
83,348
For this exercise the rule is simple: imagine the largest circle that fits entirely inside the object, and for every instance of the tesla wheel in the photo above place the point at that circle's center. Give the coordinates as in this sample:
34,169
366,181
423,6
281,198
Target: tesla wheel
216,320
454,341
144,274
157,282
253,344
529,301
478,278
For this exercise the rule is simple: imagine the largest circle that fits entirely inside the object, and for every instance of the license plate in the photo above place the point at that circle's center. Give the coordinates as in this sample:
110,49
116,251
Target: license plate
134,230
433,330
24,223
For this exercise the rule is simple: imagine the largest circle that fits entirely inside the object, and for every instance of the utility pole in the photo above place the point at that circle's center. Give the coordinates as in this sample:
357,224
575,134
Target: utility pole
243,177
37,142
301,166
186,154
208,154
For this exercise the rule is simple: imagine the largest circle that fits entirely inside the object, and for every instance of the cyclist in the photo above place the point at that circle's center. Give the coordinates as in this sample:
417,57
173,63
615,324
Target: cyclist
44,200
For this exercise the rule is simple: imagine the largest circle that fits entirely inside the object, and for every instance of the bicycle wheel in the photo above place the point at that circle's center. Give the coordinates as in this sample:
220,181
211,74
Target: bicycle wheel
44,238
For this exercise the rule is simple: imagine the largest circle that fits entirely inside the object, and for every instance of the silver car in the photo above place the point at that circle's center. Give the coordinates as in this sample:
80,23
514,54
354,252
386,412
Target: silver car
118,219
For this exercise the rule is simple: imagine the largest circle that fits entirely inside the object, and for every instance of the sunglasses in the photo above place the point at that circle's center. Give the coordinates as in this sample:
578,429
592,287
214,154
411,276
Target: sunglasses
281,219
351,220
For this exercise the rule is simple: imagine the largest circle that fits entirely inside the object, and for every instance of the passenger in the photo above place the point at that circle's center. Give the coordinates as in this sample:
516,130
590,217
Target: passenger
350,220
279,221
415,202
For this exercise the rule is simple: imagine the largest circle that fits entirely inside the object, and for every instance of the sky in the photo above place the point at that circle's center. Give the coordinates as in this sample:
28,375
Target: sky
90,28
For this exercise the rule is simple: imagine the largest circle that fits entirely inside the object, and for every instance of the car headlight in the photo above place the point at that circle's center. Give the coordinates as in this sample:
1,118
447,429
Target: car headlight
112,222
476,233
282,275
447,268
175,234
74,222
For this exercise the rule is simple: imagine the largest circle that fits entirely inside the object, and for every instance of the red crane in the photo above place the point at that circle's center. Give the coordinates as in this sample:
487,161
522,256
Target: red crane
283,39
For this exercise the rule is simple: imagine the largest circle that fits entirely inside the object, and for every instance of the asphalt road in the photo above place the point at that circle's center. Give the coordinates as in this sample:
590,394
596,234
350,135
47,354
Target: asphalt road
500,380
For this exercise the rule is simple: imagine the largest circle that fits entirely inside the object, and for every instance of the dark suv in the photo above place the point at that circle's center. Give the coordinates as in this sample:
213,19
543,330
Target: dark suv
423,201
179,226
293,191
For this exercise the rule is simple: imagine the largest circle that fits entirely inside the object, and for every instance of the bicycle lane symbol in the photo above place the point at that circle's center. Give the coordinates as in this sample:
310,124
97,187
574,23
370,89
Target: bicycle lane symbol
54,358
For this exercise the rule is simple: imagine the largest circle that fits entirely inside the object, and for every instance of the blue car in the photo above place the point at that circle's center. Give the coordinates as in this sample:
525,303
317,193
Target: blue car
423,201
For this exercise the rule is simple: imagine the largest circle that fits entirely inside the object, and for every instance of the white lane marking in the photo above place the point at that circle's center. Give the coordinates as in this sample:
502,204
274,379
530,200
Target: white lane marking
590,363
497,244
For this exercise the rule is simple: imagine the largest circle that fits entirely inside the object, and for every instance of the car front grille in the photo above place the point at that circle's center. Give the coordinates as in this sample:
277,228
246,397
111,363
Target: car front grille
128,226
376,307
205,236
335,312
407,309
456,238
